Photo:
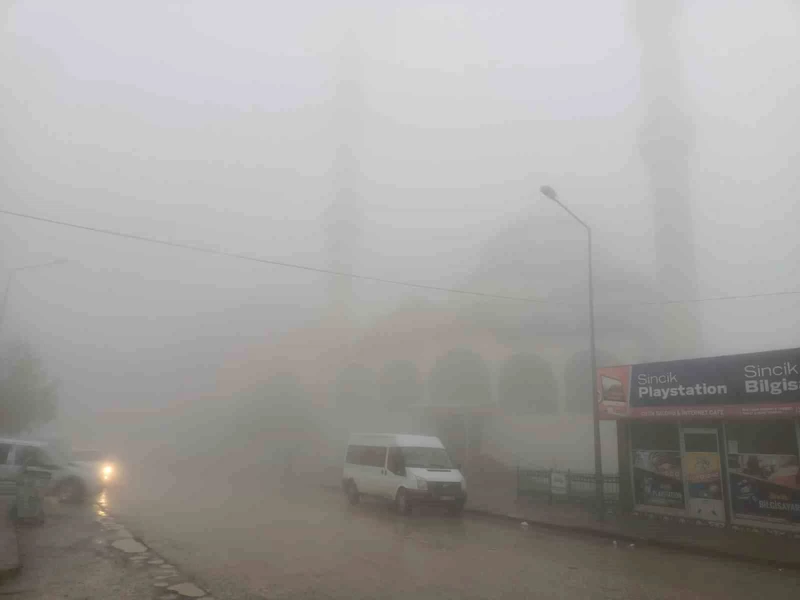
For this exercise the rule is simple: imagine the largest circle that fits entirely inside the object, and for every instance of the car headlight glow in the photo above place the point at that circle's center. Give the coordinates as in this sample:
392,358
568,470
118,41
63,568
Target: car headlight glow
107,471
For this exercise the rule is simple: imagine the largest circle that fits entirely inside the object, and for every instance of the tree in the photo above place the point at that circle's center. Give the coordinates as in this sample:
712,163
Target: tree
27,395
526,384
578,380
399,385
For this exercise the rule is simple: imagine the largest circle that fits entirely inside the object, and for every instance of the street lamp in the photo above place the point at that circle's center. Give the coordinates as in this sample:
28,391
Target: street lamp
551,194
11,279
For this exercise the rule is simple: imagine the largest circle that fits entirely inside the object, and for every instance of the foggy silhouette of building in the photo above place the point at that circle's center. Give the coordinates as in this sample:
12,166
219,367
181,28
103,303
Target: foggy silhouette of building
665,143
516,377
343,217
342,366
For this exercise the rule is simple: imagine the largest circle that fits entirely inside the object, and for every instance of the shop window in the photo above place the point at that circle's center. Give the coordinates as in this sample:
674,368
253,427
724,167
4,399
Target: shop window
764,473
763,437
657,473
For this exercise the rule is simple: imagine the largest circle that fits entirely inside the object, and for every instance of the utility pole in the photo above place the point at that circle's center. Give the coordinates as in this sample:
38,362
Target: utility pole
599,485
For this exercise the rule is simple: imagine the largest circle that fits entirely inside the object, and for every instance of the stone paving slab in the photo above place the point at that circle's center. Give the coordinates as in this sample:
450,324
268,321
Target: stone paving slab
84,552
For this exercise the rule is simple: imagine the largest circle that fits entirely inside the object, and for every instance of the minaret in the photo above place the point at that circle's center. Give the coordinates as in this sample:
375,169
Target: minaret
665,142
343,216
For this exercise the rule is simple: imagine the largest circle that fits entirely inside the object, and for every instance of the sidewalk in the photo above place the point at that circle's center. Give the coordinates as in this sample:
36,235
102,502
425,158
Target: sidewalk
782,552
492,492
9,551
79,552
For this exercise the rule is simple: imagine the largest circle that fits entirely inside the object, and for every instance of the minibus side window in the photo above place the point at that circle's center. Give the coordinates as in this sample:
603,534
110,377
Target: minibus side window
395,463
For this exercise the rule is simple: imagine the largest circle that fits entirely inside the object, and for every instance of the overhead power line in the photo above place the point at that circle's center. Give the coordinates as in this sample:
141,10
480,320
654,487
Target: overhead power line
276,263
707,299
409,284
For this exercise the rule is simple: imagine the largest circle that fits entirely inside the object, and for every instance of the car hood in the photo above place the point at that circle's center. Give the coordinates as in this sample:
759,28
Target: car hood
84,464
84,469
436,474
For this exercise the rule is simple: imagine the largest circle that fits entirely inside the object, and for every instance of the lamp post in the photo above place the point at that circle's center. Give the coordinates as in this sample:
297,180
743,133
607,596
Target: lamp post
11,280
551,194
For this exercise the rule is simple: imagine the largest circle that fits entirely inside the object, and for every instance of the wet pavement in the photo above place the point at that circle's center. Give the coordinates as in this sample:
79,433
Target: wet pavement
81,552
9,550
243,540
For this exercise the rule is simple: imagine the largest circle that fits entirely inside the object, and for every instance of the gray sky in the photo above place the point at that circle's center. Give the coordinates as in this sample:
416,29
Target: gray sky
211,123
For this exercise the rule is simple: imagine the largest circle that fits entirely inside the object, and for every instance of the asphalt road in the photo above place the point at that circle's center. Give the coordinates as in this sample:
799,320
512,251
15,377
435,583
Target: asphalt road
242,539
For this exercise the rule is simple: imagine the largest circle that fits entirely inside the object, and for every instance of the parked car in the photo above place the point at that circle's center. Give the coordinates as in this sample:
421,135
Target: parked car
101,462
405,469
70,482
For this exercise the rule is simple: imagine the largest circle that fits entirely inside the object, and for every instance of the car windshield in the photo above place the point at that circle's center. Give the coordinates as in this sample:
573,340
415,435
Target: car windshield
427,458
37,456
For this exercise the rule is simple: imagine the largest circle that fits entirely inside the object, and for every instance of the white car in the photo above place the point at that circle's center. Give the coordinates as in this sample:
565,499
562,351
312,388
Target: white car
97,461
405,469
70,482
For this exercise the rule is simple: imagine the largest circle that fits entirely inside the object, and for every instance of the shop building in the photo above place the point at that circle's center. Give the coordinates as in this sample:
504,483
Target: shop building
715,440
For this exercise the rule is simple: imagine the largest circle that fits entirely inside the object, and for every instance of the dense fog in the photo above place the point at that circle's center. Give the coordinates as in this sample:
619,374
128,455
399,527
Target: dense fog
271,142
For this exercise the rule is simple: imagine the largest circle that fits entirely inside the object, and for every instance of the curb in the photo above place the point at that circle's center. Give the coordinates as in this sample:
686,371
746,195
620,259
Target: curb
655,542
627,537
167,578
